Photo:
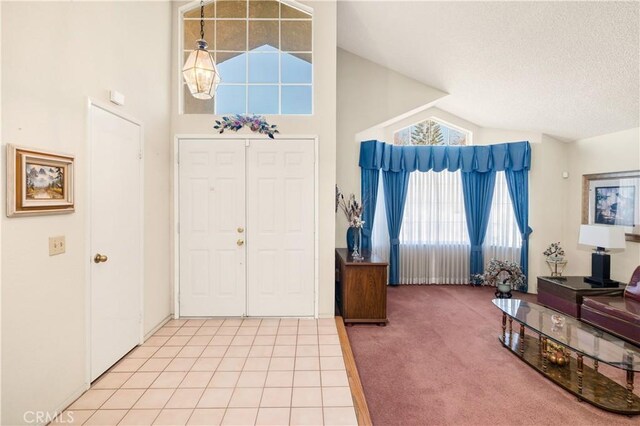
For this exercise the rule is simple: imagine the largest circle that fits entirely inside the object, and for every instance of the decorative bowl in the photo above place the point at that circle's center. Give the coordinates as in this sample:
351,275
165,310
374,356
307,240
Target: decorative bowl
557,320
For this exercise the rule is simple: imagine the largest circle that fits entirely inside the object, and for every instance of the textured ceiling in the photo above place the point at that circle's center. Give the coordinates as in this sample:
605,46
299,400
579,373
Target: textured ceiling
567,69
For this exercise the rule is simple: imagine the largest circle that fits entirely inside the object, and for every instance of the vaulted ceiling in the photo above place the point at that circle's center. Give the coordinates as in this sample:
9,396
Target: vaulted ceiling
567,69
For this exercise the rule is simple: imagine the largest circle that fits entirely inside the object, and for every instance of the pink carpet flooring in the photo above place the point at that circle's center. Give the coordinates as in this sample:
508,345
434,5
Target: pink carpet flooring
439,362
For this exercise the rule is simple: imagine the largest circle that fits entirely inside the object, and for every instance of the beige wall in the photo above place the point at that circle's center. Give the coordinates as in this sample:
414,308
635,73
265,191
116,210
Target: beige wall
369,95
54,56
1,221
547,202
322,124
488,136
614,152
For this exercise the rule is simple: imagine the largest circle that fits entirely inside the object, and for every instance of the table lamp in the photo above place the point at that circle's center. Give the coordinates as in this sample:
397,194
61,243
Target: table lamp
603,237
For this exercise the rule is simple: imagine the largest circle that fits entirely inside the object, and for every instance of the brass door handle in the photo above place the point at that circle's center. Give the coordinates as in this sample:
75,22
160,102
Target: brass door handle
240,242
99,258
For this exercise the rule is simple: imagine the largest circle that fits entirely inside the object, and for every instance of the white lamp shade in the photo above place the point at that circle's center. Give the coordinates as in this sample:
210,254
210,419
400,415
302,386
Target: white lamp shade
607,236
201,74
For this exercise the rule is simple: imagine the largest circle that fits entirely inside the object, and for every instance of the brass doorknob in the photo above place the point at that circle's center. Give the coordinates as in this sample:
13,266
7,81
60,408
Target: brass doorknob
100,258
240,242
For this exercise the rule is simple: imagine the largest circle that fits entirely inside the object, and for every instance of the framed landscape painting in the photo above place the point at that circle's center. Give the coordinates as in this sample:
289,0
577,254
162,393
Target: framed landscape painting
613,199
38,182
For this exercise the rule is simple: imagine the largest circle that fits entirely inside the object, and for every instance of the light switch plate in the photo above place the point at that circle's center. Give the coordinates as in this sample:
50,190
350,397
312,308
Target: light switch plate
57,245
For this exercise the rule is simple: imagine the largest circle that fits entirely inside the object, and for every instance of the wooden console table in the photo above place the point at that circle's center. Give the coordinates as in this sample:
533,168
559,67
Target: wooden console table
361,288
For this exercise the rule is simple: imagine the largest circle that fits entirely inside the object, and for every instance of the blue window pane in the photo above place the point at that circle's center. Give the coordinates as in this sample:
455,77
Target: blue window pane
263,68
266,48
233,69
457,138
445,134
295,69
230,99
263,99
296,99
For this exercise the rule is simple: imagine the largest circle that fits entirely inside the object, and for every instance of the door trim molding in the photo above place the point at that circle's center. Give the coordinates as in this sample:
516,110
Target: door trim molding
175,197
90,102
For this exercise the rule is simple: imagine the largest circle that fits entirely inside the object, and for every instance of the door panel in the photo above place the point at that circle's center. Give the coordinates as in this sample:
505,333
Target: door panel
212,209
280,228
116,212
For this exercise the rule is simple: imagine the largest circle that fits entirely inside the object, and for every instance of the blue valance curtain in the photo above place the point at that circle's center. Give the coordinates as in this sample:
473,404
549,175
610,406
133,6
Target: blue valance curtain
376,155
478,165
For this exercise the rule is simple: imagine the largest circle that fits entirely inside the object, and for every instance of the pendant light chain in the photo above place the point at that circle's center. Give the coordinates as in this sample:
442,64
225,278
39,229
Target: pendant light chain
202,19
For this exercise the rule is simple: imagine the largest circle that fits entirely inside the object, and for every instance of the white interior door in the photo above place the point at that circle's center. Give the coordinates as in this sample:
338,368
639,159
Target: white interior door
116,233
211,226
280,227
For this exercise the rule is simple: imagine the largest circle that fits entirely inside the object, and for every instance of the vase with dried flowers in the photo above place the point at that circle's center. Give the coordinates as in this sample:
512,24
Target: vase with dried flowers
352,210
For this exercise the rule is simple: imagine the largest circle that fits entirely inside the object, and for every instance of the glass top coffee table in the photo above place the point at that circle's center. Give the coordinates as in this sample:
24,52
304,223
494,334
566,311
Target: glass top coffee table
550,352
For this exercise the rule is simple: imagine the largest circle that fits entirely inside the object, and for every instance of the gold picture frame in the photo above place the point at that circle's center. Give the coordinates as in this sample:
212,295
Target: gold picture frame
613,199
39,182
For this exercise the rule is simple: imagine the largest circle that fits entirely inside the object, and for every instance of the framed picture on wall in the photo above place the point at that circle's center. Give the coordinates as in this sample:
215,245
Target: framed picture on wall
39,182
613,199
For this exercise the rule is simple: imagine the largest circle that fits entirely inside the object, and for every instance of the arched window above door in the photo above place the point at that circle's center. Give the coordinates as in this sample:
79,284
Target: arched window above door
432,132
264,52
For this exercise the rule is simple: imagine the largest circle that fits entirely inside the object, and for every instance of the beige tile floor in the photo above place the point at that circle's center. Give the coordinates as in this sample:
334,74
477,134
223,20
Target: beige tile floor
225,371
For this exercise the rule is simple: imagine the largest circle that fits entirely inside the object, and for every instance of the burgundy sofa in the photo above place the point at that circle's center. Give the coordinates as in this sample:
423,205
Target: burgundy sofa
617,315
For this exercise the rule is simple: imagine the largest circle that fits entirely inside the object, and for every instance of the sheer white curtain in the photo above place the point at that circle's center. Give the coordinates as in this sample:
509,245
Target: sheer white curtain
434,242
503,239
380,232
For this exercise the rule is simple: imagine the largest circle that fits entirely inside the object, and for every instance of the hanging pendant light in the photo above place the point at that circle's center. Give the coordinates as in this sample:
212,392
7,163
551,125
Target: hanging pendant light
200,70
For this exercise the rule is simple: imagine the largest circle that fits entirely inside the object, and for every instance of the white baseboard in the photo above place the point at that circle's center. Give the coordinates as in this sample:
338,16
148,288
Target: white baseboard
85,386
157,327
70,399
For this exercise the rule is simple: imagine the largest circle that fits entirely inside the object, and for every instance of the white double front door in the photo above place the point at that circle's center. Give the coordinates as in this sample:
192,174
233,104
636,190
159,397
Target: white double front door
246,227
